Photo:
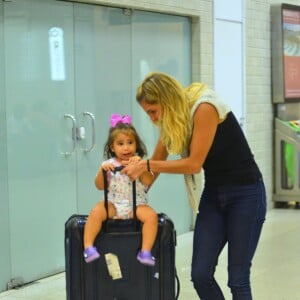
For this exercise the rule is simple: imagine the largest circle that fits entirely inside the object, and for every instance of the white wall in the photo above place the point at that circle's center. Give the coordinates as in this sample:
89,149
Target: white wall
229,55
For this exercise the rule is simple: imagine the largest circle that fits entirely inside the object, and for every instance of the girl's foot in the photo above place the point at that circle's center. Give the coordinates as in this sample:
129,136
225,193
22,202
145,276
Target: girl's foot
145,258
90,254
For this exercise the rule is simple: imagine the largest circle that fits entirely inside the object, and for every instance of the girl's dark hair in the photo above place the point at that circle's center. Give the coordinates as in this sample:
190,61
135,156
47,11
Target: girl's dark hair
141,149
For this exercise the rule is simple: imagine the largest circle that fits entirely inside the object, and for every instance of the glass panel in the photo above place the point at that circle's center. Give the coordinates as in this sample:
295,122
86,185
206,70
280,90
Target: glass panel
162,42
4,221
39,91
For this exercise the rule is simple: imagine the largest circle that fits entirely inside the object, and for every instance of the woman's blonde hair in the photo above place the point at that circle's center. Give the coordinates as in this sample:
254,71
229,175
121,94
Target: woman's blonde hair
176,102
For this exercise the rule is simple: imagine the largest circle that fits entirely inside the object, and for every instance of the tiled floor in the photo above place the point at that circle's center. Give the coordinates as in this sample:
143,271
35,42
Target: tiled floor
275,272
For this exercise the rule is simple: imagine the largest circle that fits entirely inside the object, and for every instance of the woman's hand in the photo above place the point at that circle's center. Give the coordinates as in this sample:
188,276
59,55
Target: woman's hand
134,169
134,159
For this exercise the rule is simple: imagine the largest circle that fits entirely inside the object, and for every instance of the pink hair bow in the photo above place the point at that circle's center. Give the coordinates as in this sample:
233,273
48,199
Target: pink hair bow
116,118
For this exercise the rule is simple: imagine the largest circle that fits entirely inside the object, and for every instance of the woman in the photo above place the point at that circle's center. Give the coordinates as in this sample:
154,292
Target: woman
194,122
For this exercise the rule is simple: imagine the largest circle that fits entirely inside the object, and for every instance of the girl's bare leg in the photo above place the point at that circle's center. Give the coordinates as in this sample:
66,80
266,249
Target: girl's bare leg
94,222
148,216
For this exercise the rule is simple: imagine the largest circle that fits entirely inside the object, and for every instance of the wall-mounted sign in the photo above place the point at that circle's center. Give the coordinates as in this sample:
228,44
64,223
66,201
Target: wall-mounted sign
291,51
285,21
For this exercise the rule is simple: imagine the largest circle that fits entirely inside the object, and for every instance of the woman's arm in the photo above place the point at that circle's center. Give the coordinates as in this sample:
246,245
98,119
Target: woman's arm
205,124
160,153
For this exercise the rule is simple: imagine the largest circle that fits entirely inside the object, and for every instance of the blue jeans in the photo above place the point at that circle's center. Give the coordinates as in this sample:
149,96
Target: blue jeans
233,215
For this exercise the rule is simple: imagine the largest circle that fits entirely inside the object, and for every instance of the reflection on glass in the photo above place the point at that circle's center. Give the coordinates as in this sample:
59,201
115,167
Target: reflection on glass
57,55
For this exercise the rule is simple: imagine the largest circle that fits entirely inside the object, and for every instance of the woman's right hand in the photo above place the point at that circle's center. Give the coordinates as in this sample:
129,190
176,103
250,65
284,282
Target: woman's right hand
134,170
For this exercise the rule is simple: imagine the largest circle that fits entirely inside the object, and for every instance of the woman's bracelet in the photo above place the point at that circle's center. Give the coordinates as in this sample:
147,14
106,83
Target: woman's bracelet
148,167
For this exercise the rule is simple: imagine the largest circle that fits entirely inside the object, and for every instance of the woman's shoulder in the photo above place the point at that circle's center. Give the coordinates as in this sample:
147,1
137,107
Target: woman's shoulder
209,96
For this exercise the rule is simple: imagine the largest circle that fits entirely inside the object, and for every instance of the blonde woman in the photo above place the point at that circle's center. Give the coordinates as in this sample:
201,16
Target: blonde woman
195,123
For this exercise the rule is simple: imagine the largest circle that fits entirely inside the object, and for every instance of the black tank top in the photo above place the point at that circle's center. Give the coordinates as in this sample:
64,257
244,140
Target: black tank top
229,160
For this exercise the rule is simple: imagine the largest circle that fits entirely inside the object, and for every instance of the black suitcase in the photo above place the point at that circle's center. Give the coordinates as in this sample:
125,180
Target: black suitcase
133,281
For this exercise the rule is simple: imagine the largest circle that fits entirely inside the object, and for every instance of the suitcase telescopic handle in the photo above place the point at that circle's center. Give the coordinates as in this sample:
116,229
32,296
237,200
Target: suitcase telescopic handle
118,169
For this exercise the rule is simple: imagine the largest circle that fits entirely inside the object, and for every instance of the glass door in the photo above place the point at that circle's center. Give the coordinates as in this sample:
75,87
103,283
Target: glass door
39,85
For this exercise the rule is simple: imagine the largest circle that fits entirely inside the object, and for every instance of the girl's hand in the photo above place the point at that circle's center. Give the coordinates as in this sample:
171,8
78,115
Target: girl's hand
107,166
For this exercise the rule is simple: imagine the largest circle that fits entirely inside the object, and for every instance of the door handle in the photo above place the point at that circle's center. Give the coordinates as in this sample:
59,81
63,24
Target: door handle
68,116
92,117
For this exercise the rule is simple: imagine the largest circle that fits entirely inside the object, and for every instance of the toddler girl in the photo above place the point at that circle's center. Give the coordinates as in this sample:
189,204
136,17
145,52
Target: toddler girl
123,144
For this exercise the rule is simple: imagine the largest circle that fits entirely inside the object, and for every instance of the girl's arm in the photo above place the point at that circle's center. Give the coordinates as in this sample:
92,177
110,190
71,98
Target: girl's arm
205,124
99,181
